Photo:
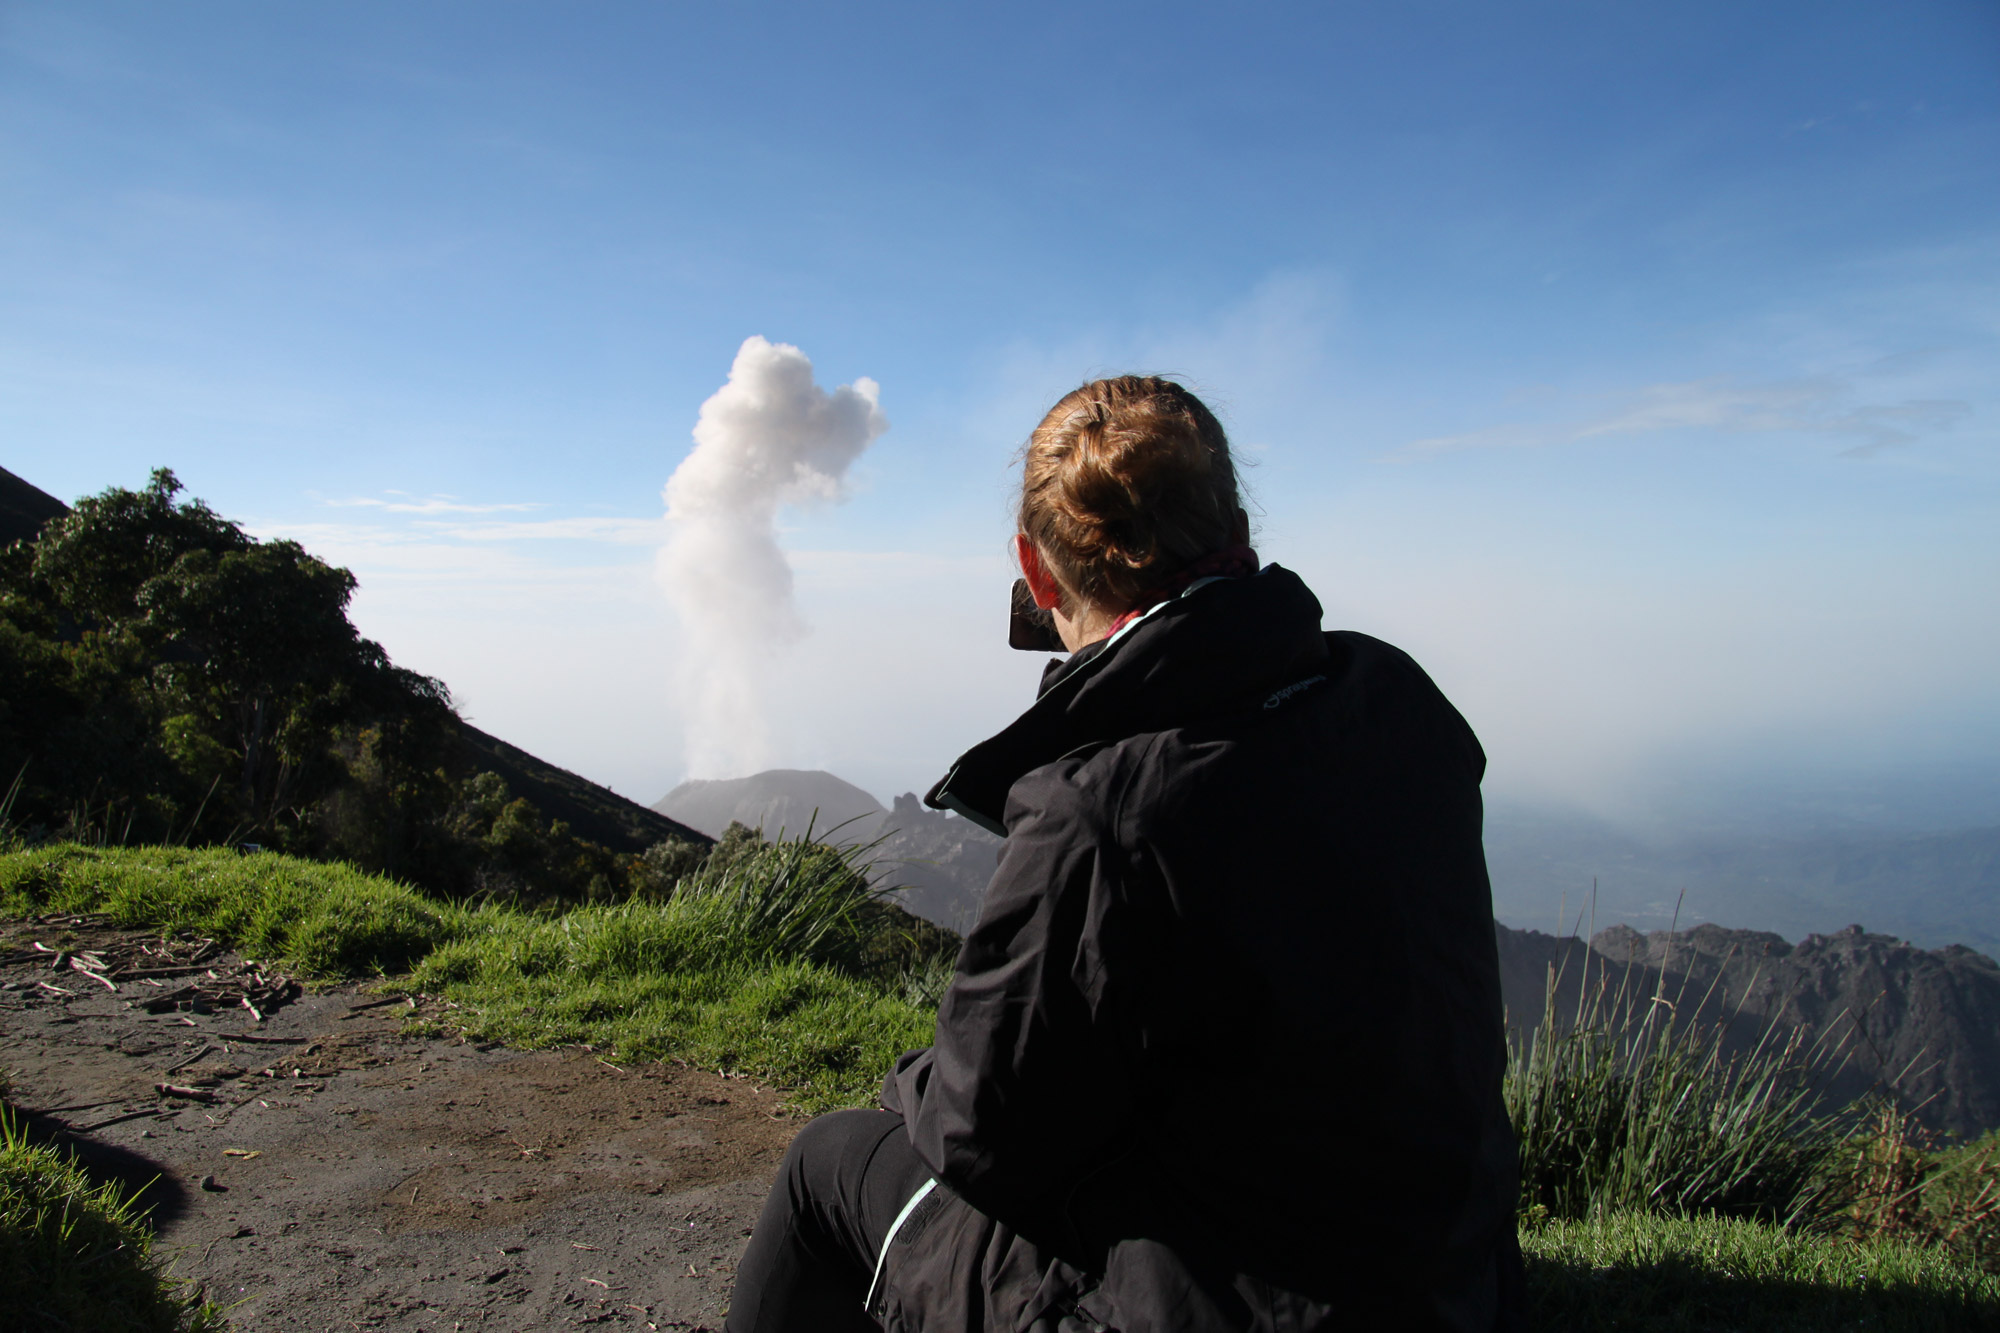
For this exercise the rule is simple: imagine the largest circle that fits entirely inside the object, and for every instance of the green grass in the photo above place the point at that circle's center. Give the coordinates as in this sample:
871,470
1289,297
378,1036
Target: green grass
781,966
651,982
1961,1200
74,1255
1649,1273
1620,1108
327,920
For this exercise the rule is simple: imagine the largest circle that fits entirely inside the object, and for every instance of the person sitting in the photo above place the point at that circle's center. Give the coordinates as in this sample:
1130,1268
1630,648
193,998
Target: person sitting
1223,1049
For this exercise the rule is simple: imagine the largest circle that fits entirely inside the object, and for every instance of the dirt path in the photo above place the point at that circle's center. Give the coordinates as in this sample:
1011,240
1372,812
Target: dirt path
321,1170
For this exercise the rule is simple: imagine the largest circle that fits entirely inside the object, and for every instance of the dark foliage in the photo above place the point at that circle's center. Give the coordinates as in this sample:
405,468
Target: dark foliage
171,678
166,677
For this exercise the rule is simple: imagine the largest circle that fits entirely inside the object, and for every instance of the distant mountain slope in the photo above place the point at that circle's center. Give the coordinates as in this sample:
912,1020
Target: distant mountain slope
939,862
593,812
942,862
1924,1024
778,798
24,507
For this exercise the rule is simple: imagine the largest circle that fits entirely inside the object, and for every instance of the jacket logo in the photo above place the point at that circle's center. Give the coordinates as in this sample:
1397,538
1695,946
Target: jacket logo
1292,689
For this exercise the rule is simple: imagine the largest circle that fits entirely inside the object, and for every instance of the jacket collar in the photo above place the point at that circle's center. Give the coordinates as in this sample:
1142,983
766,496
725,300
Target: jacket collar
1217,648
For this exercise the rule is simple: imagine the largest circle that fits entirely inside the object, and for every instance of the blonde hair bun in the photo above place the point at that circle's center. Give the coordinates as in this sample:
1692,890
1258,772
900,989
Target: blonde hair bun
1127,480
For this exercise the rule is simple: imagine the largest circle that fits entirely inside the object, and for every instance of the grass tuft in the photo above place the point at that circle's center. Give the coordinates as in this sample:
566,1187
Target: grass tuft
1905,1185
1620,1108
74,1255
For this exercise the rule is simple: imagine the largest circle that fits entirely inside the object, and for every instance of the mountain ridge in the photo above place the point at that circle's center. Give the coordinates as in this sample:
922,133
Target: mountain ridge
1919,1025
1922,1024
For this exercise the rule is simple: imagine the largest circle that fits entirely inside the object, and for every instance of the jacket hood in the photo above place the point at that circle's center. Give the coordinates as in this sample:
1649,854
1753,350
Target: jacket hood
1218,648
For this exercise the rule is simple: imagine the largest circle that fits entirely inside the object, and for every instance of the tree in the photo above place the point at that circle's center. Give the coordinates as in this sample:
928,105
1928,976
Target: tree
93,561
185,671
166,676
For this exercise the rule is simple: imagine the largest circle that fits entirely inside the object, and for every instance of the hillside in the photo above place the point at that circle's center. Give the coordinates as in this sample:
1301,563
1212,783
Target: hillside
593,812
24,507
393,1153
127,525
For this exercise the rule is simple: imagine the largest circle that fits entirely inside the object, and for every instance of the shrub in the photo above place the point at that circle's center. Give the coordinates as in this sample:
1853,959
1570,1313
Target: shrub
1906,1187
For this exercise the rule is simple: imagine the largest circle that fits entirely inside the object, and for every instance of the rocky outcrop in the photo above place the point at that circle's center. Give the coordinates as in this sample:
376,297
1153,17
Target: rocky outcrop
942,863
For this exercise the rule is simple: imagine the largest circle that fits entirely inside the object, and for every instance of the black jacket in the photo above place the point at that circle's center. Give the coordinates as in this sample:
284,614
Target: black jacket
1224,1047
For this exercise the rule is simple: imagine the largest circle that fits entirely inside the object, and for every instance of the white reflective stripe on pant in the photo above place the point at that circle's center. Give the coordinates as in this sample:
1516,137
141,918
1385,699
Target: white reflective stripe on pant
882,1260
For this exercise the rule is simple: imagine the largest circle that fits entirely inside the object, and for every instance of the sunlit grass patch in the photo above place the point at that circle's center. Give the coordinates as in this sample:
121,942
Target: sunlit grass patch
1649,1273
783,964
330,920
658,982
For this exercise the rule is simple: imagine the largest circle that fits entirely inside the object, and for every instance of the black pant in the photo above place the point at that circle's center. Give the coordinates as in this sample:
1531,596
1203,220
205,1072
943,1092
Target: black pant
813,1254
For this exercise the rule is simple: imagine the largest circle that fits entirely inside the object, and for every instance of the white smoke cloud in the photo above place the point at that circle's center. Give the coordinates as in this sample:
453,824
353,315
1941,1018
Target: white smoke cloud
769,437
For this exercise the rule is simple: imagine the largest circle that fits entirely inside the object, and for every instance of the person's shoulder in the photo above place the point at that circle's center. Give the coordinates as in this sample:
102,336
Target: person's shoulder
1379,678
1085,788
1350,647
1362,659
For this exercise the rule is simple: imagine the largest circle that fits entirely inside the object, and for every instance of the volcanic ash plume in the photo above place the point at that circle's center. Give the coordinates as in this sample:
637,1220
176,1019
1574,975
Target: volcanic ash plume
768,437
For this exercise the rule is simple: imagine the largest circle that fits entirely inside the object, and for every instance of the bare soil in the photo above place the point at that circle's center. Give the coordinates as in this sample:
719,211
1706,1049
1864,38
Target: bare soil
326,1168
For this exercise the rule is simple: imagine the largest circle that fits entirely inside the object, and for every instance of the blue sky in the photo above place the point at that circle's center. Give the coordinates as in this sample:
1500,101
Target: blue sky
1630,364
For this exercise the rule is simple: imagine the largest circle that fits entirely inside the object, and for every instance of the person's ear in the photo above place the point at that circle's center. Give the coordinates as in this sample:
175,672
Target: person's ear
1239,532
1047,592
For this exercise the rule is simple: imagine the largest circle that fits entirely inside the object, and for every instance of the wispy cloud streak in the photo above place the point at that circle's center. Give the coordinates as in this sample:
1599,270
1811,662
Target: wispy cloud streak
1821,405
436,504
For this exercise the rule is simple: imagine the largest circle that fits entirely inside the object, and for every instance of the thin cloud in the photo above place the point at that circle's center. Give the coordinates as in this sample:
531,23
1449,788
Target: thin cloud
437,504
1819,406
611,531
